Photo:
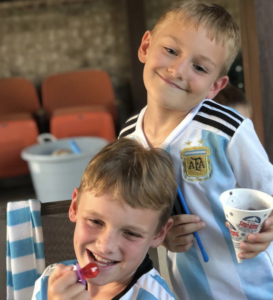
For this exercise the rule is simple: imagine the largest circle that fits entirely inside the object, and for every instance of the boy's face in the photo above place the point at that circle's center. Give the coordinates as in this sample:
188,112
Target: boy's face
114,235
182,66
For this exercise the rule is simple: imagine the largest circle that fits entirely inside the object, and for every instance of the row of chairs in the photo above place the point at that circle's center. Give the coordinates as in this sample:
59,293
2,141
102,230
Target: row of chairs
80,103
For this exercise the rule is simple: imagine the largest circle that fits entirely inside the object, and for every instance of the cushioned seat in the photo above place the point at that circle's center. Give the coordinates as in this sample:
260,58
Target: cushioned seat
18,128
86,121
80,103
16,133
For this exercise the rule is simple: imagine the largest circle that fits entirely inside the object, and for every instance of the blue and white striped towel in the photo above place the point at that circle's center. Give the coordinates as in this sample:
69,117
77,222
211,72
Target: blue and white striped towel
25,248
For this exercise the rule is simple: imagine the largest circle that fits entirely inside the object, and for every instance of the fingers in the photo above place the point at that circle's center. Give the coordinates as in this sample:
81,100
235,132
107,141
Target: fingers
58,272
258,242
183,219
178,243
262,237
268,222
183,243
184,229
180,237
186,224
62,277
248,255
63,285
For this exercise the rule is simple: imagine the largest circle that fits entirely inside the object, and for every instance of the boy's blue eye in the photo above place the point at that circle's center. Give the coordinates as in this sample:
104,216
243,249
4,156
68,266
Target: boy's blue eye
171,51
132,234
200,69
97,222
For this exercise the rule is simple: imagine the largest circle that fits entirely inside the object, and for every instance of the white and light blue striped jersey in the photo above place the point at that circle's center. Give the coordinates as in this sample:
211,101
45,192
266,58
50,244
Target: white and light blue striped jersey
145,286
215,149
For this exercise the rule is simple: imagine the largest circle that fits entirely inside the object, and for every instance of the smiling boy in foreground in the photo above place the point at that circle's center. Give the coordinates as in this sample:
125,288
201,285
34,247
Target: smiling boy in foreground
121,209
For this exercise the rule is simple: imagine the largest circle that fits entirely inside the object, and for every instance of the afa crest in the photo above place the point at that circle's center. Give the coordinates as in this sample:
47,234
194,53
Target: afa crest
196,164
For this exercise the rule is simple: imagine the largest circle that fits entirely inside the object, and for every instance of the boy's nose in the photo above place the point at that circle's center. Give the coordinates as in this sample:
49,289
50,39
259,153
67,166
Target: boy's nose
107,242
179,68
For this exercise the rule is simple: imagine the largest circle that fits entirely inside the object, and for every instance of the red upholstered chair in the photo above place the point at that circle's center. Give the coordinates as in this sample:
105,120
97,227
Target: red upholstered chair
18,128
17,95
80,103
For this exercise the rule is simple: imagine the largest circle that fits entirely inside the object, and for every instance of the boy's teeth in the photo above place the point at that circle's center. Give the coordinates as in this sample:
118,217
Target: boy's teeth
99,259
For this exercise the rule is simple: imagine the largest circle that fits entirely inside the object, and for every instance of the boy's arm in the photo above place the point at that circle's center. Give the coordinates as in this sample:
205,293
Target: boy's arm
180,237
258,242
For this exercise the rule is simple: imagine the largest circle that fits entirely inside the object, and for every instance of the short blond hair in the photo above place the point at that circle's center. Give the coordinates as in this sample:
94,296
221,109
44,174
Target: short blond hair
215,19
143,178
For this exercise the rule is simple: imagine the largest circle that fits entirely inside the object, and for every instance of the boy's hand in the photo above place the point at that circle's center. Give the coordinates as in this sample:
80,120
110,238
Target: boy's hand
180,237
63,285
258,242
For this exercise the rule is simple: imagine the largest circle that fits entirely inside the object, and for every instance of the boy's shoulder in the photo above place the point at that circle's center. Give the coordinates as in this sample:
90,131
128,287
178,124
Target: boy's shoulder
152,283
219,118
149,286
146,284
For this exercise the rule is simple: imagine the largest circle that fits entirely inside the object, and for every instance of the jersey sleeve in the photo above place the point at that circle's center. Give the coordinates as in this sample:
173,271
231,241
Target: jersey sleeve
249,160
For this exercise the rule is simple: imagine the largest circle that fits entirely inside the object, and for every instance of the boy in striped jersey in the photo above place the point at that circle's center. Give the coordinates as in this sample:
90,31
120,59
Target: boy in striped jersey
187,56
121,208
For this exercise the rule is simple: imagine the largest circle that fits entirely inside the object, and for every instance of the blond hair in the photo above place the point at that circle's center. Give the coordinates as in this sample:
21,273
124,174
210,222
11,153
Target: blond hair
143,178
215,19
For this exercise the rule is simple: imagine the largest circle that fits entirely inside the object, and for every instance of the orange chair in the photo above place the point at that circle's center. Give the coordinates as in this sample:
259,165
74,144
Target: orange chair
18,95
80,103
18,128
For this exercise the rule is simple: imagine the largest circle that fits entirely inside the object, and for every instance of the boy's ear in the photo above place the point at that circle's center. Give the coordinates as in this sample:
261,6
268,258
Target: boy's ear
73,206
145,43
217,87
160,237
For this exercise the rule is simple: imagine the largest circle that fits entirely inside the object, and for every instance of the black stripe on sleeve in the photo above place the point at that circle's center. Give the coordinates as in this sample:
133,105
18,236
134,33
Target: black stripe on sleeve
215,124
220,115
232,113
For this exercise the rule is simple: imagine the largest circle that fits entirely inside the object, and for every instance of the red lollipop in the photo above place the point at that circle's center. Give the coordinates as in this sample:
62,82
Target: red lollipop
89,271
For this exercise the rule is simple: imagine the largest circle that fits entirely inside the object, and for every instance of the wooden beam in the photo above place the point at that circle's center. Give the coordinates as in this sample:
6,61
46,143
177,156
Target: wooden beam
251,64
136,27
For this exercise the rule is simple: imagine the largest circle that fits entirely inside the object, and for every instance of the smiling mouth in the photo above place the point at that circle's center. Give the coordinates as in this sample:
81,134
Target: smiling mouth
171,83
101,261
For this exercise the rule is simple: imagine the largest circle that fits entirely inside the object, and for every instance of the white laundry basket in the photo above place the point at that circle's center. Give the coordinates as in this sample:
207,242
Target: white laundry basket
55,177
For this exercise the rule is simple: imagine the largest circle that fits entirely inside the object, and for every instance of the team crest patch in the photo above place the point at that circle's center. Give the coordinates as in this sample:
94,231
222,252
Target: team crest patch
196,163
